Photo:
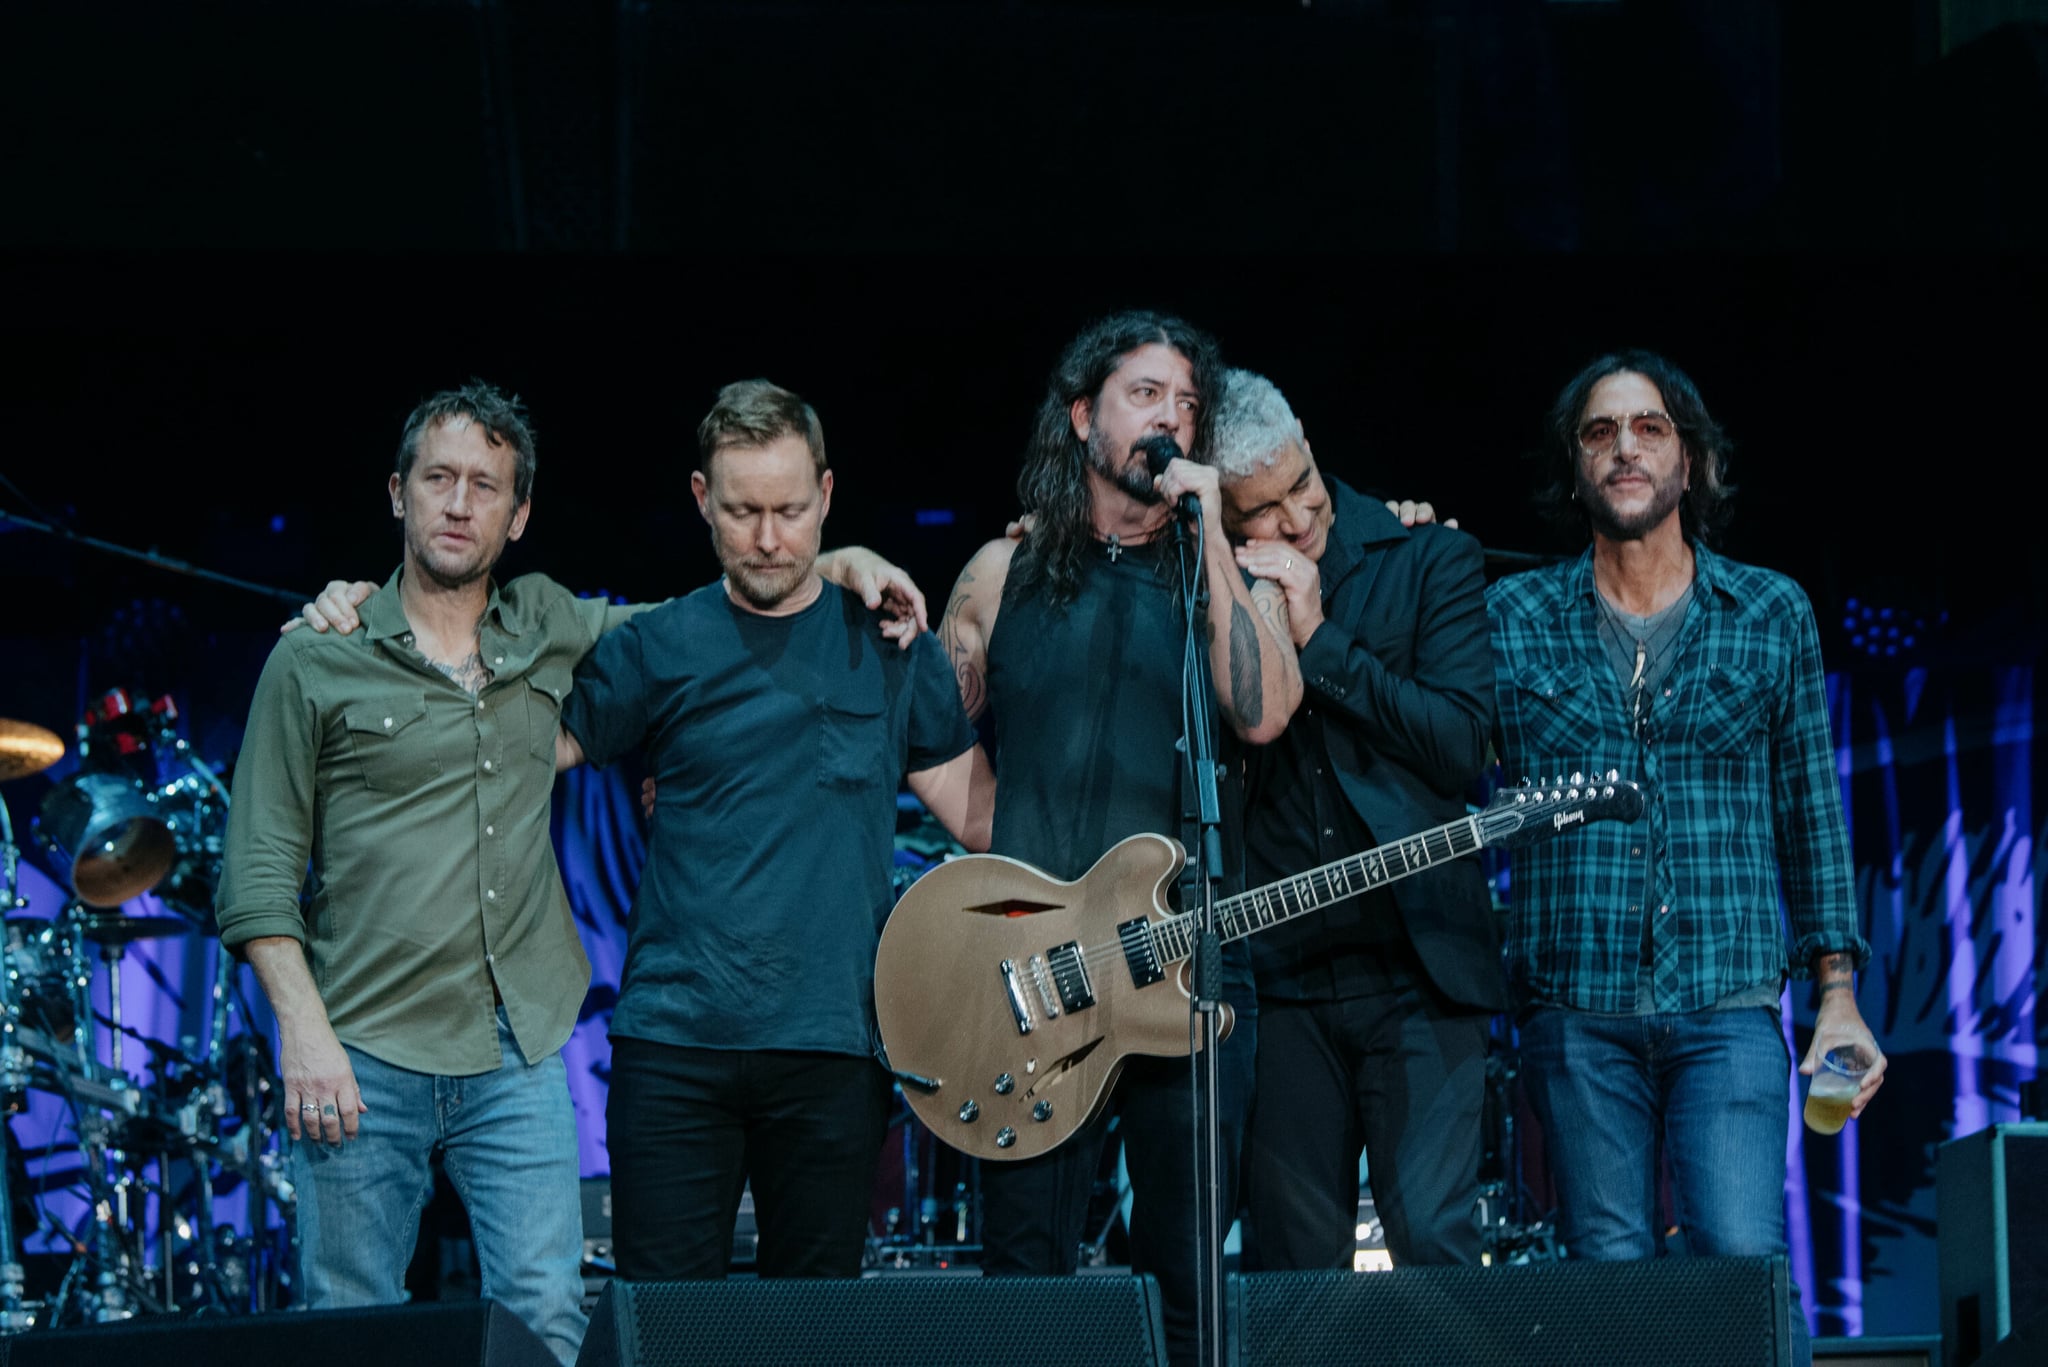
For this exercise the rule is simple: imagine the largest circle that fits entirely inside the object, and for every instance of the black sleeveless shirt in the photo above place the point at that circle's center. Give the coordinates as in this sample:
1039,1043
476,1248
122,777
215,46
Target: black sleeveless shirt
1088,718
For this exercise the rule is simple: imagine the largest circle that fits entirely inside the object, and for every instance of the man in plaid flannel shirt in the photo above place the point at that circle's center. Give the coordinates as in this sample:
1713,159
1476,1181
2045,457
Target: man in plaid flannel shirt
1647,959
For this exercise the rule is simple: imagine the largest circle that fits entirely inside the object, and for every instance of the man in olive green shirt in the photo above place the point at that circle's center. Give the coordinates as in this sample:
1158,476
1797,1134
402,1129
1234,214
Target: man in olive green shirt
425,989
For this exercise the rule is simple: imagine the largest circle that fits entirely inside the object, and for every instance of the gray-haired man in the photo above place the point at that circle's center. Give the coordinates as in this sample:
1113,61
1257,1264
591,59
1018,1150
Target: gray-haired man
1373,1014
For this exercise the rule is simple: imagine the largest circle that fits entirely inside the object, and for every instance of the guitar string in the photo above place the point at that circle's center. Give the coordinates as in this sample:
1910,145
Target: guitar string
1441,836
1438,843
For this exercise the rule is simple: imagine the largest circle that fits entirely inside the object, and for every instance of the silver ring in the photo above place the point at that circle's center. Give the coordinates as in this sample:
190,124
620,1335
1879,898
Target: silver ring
1290,563
310,1106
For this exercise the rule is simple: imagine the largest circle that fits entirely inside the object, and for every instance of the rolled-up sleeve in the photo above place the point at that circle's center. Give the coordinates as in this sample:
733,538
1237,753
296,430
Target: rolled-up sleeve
270,817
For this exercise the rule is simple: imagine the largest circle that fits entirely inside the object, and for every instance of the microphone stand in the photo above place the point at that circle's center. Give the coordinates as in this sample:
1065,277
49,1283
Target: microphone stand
154,559
1199,895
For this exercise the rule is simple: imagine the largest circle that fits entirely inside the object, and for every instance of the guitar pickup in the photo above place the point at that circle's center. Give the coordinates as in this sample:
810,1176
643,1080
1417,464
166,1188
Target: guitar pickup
1139,954
1019,1006
1041,980
1070,976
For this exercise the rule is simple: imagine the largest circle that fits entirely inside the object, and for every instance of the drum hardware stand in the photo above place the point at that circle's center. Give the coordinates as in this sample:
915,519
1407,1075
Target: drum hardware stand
15,1316
184,1123
1506,1234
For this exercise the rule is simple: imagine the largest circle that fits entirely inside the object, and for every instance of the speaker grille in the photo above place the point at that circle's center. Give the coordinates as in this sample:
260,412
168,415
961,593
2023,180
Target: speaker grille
1672,1312
888,1321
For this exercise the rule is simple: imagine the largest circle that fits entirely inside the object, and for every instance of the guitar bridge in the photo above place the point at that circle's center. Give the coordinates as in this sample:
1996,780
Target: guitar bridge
1139,956
1070,976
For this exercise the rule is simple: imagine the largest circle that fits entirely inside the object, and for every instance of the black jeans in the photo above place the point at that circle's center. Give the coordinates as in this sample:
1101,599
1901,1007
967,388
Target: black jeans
687,1129
1400,1075
1035,1212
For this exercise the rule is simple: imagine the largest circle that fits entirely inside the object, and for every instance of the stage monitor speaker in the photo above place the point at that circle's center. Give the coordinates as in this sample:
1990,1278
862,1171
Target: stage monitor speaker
1670,1312
894,1320
449,1334
1991,1202
1914,1350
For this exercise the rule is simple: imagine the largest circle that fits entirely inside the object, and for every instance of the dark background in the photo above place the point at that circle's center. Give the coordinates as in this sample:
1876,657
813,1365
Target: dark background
239,241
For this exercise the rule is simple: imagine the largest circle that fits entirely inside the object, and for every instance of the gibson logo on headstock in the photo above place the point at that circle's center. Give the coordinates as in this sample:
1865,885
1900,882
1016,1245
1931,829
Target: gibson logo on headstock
1563,819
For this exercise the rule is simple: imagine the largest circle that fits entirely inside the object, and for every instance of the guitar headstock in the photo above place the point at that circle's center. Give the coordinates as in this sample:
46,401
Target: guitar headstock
1529,812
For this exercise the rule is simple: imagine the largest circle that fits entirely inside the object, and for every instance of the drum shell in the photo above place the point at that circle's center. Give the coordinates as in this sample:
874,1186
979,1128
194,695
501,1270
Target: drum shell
105,834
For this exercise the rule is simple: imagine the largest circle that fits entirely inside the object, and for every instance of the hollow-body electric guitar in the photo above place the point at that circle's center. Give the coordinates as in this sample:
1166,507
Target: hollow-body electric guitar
1009,1000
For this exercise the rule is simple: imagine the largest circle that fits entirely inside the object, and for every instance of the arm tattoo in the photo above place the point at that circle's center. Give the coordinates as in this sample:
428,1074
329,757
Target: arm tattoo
973,689
1247,692
469,672
1272,605
1834,973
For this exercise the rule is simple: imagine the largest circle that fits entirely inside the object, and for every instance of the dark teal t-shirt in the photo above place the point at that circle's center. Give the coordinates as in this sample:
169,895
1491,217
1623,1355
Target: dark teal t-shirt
777,745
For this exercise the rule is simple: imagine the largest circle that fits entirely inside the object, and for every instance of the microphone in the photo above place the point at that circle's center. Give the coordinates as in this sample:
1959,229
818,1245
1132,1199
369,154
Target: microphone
1160,451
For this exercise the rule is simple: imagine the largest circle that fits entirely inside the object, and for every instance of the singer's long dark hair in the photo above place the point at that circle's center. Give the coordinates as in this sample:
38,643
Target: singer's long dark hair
1053,482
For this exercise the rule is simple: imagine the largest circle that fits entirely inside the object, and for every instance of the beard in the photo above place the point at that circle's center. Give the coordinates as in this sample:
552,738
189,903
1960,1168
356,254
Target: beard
1615,525
1130,474
449,569
760,585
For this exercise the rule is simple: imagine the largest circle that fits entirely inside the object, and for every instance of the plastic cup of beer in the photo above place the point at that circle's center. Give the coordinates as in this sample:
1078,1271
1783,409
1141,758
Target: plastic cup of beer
1834,1087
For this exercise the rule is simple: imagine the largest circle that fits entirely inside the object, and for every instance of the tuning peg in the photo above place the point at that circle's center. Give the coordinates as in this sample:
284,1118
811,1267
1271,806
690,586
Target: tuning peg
1614,775
1577,778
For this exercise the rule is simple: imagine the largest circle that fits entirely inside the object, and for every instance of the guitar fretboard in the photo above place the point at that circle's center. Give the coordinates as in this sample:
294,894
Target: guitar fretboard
1249,912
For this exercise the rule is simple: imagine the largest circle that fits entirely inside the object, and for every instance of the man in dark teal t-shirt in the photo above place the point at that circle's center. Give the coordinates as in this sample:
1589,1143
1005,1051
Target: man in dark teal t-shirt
778,724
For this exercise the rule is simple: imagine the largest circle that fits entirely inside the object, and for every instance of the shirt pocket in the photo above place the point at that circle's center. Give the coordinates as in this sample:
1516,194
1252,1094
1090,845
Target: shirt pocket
1733,710
545,691
853,747
392,743
1559,715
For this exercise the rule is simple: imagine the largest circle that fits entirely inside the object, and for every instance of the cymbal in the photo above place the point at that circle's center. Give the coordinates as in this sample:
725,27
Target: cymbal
116,929
26,748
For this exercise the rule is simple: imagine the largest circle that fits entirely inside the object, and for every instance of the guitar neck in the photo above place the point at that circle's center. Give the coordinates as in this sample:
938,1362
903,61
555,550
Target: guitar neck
1250,912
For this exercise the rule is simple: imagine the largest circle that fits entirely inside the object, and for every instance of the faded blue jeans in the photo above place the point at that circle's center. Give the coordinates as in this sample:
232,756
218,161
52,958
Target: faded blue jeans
1713,1084
508,1142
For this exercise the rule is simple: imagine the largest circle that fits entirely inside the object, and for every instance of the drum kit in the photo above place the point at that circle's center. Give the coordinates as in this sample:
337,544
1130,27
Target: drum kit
141,813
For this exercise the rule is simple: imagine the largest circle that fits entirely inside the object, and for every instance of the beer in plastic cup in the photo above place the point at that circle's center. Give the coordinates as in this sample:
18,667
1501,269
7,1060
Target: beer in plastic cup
1834,1087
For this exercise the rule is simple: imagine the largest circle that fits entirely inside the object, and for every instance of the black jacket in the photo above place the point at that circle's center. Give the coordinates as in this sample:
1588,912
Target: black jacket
1402,675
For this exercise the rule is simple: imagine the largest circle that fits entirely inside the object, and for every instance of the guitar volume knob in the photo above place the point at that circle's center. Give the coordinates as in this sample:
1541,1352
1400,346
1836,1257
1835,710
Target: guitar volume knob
970,1111
1005,1084
1005,1137
1042,1111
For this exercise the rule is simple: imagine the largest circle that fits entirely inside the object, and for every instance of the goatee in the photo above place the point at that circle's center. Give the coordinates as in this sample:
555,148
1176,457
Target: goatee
1135,480
1617,526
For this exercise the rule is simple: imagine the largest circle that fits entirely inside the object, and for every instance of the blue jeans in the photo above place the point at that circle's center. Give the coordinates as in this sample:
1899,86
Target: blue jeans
1711,1086
508,1142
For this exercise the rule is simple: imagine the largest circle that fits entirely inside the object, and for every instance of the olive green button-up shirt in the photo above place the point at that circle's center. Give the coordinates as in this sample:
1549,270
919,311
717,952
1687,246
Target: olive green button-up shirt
423,810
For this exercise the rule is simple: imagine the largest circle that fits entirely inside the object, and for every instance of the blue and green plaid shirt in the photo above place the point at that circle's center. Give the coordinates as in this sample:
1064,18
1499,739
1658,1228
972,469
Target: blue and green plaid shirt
1734,755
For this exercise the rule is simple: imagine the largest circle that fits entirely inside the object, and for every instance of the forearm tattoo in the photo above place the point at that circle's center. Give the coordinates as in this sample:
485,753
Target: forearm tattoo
1247,691
1834,973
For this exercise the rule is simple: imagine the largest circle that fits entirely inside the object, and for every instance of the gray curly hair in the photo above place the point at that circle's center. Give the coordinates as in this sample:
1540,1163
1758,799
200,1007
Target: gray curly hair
1252,425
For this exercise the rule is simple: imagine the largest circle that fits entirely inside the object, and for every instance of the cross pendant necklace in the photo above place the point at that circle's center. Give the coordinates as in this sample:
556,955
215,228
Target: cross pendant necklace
1115,548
